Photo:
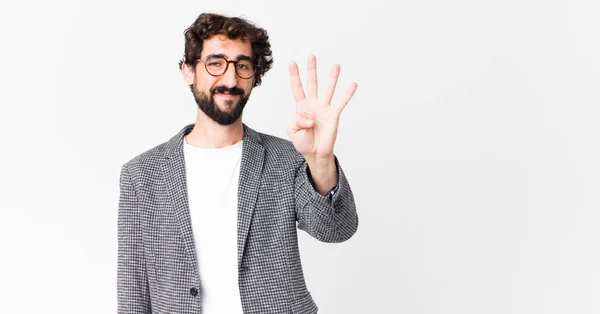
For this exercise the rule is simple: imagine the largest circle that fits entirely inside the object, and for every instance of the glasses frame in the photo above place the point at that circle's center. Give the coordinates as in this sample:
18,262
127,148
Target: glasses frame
227,66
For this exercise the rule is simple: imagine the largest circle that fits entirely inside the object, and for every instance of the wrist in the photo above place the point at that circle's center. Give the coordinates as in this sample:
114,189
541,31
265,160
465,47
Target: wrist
320,162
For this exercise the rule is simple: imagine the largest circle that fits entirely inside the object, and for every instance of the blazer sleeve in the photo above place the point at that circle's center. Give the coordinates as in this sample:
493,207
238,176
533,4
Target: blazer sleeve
133,295
330,218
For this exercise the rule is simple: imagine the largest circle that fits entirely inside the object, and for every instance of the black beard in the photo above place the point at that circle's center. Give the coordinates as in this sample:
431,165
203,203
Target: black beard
210,108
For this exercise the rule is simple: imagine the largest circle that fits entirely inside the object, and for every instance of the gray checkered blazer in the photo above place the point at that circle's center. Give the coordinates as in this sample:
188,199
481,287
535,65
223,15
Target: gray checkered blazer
157,267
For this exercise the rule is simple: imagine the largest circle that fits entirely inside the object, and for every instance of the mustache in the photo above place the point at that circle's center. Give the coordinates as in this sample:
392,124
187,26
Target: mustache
223,89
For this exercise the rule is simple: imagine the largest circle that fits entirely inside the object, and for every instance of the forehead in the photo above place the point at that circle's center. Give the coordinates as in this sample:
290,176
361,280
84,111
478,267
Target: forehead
221,44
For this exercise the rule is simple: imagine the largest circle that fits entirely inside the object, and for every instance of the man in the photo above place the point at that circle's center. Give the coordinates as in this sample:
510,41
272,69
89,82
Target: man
208,220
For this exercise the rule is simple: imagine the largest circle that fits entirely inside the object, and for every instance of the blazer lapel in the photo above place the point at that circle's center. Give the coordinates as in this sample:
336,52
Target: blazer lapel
253,156
173,168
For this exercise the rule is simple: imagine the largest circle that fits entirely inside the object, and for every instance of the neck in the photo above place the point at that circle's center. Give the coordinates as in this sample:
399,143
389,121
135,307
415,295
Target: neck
209,134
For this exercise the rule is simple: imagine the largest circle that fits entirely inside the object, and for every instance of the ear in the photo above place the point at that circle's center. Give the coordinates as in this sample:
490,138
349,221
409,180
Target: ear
188,73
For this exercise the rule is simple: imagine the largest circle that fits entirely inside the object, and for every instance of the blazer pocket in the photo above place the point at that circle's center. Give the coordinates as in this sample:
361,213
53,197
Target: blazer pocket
305,305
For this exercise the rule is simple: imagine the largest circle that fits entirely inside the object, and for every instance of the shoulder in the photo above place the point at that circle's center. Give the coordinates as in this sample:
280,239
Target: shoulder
149,156
150,160
142,170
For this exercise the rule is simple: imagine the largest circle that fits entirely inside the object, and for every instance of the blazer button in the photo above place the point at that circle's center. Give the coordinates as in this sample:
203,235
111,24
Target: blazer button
194,291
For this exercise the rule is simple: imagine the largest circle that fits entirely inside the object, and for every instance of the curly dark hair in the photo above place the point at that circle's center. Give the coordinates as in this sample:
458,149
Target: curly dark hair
210,24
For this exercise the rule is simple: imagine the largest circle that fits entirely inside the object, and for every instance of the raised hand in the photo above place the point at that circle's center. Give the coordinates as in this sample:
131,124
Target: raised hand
314,128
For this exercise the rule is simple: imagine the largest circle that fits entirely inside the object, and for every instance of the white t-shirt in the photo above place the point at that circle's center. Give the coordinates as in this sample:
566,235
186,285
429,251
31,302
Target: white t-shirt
212,183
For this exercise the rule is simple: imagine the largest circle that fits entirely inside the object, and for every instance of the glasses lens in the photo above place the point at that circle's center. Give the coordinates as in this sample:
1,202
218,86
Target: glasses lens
216,65
244,68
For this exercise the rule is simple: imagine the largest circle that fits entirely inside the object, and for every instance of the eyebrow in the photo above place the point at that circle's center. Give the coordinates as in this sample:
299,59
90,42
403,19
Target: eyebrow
239,57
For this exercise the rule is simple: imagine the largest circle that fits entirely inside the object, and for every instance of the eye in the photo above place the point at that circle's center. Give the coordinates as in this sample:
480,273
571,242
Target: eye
243,66
215,63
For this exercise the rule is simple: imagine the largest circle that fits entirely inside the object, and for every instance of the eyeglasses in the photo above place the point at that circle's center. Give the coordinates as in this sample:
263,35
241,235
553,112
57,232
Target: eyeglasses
217,65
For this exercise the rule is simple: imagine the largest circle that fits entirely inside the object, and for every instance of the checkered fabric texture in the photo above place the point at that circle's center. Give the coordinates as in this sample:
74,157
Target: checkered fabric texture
157,267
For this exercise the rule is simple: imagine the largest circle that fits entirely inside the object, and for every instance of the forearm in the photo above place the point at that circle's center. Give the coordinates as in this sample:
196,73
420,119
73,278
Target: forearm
328,218
323,172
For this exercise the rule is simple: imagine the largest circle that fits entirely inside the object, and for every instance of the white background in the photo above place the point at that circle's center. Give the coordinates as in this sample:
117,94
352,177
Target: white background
471,146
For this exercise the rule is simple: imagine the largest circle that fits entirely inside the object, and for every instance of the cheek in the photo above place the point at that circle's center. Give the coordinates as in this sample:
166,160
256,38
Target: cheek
204,84
247,86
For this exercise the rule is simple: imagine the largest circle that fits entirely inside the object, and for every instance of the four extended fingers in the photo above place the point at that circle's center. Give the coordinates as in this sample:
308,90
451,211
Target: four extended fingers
298,90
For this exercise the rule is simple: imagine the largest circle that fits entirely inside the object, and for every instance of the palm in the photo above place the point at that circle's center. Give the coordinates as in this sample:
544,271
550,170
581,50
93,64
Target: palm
317,137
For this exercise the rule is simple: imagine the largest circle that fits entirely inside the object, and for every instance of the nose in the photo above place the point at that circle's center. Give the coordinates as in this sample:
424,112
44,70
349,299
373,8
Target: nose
229,78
